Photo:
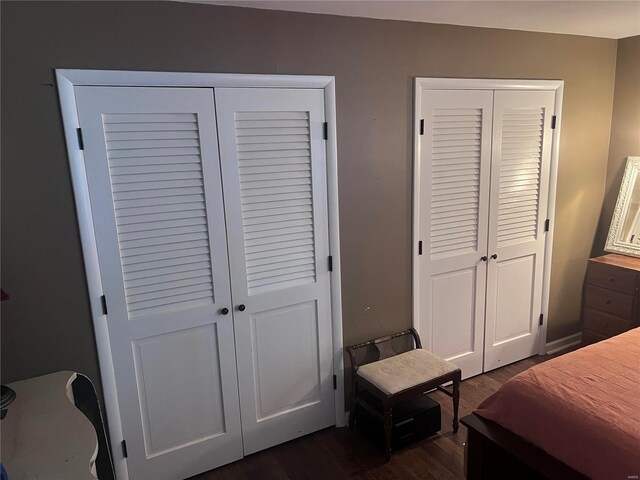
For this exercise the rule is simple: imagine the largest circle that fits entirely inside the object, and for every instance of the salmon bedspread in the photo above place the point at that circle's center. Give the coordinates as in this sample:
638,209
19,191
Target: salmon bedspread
583,408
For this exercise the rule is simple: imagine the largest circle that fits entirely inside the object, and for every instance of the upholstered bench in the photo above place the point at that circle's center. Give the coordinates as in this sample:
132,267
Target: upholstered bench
397,377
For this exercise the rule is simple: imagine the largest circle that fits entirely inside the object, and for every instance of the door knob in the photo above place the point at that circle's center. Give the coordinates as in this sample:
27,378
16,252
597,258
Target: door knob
484,259
494,256
241,308
224,311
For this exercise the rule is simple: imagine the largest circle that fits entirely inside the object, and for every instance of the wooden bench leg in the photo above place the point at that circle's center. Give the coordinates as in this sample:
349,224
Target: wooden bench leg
352,413
354,403
456,403
387,433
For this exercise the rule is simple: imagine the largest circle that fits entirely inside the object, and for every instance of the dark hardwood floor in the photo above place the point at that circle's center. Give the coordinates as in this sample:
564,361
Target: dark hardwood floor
337,453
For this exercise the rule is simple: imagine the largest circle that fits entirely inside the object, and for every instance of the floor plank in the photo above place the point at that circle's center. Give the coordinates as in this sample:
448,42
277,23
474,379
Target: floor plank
336,453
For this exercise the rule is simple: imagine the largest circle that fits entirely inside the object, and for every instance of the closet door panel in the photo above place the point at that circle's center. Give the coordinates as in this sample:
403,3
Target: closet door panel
515,281
454,199
453,296
521,159
153,173
274,170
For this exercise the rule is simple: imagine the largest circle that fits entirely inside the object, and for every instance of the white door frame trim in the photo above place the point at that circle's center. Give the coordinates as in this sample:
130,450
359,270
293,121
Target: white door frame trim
489,84
66,81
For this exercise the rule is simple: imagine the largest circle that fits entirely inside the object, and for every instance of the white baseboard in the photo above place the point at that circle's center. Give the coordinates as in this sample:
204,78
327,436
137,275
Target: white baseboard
564,343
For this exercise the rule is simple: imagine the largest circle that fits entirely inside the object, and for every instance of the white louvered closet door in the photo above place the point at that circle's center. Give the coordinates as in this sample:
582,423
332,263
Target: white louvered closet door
454,165
153,174
520,165
274,170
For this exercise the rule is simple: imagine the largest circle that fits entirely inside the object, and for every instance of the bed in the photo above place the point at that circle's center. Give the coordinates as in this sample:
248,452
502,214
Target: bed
573,417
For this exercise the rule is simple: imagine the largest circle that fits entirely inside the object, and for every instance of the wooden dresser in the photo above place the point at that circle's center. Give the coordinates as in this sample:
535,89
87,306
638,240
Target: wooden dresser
611,299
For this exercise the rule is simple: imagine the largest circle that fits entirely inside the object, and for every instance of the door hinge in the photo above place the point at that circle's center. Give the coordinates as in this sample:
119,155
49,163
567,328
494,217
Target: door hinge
331,263
546,225
125,454
103,302
541,319
80,139
422,126
325,130
335,382
553,122
420,247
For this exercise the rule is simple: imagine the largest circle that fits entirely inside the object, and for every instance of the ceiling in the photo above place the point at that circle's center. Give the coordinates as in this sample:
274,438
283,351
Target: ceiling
608,19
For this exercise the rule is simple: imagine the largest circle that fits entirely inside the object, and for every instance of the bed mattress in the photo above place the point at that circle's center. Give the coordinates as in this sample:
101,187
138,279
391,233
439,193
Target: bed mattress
583,407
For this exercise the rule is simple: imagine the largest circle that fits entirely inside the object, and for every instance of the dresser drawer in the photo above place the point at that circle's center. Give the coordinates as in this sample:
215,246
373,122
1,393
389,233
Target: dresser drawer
604,324
610,301
589,337
613,277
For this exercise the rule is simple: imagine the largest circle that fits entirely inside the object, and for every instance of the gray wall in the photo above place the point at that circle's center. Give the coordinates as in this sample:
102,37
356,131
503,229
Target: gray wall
46,326
625,130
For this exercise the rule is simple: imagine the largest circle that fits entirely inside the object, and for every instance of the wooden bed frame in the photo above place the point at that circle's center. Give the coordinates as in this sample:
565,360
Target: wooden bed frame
495,452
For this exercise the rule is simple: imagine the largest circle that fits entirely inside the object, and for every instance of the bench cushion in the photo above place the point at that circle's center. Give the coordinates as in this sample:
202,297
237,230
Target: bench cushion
394,374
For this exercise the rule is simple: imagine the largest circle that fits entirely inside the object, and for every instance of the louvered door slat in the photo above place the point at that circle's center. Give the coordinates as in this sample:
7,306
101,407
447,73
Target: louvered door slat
518,215
154,152
259,263
173,160
270,255
164,239
157,305
141,126
453,193
147,194
149,226
276,232
257,223
454,171
453,220
139,177
510,169
250,132
180,206
453,210
276,193
170,185
279,246
274,163
278,265
169,168
163,266
171,286
453,244
523,174
137,136
517,208
174,254
440,237
455,151
182,272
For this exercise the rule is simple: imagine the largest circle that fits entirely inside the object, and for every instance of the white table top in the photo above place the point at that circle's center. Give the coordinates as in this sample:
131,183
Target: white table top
44,435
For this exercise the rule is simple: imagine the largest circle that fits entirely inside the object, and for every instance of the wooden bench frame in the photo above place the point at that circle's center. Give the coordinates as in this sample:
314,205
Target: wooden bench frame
389,401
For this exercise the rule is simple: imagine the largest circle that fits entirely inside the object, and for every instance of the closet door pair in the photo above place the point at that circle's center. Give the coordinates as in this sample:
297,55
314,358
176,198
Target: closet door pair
484,162
210,219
